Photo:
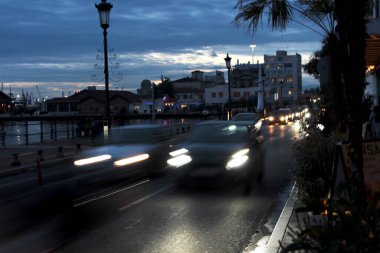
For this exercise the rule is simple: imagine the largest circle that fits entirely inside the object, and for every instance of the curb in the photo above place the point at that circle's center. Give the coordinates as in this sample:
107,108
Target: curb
273,245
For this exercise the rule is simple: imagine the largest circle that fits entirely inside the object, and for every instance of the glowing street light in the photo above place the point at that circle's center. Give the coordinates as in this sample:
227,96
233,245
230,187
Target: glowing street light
252,46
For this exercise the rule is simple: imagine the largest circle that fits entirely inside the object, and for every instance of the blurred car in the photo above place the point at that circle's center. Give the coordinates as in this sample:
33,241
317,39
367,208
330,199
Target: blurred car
298,113
249,117
127,151
288,112
277,117
219,150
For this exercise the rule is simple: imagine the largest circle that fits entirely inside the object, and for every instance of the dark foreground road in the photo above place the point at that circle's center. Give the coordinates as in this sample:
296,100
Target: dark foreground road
157,216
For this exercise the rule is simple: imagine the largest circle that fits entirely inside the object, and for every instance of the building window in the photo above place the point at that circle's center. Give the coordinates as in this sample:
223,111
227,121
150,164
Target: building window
220,94
246,93
213,95
236,94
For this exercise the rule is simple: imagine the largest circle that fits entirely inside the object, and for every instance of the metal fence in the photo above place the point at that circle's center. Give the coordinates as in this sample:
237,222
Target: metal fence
26,132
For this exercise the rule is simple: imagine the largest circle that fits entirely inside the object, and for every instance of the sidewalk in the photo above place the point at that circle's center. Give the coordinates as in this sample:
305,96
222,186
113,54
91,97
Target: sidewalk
286,227
19,158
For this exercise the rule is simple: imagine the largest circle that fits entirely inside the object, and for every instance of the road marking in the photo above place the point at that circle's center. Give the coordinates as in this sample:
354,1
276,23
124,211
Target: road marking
145,198
91,199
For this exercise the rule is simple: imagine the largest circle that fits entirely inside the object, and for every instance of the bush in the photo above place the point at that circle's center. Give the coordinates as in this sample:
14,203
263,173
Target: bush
313,157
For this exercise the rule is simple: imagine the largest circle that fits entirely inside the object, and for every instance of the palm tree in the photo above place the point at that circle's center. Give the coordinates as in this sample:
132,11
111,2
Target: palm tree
344,26
320,14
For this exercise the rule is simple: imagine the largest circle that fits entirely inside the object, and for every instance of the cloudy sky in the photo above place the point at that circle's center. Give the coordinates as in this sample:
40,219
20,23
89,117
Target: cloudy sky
54,44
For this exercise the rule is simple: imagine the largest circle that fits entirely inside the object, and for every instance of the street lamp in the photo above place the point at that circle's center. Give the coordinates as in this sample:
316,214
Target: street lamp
228,65
104,10
281,84
252,46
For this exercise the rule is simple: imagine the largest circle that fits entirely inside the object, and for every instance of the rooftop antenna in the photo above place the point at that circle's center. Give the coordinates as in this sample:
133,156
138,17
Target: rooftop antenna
252,46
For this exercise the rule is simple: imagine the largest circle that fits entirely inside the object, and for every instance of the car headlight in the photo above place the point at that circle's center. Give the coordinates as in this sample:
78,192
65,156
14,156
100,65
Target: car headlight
271,118
131,160
238,159
282,118
179,161
178,152
91,160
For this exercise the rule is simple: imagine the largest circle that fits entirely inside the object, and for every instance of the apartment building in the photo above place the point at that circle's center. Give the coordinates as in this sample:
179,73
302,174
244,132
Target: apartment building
283,78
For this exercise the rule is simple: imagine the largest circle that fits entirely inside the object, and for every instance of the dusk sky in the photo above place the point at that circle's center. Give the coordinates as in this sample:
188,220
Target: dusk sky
53,44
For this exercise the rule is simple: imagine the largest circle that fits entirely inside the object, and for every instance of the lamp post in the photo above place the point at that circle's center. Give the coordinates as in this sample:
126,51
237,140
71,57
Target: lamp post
104,10
281,84
252,46
228,65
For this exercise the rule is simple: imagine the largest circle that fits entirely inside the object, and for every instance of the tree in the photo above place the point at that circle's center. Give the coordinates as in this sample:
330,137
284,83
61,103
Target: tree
312,66
166,86
343,22
320,14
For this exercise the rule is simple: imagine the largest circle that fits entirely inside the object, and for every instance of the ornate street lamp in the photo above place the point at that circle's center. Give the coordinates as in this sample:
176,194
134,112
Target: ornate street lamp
104,10
228,65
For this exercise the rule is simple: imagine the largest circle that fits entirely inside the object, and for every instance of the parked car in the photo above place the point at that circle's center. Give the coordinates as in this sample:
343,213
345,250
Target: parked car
219,150
277,117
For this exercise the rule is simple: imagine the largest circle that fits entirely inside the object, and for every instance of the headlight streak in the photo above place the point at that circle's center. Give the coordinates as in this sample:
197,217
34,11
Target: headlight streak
238,159
258,124
131,160
178,152
232,128
179,161
240,153
92,160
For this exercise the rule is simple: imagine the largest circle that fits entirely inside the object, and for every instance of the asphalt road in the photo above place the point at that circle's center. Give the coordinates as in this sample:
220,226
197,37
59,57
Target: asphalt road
150,215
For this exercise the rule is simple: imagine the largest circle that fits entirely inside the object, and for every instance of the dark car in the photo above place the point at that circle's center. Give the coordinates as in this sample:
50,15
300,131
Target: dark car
252,118
219,150
279,117
128,151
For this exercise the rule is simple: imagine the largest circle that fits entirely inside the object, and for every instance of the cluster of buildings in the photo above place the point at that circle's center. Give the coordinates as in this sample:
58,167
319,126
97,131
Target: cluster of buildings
278,79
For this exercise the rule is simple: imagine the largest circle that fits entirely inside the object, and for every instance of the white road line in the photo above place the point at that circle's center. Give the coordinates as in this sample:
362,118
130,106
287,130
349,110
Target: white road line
111,193
145,198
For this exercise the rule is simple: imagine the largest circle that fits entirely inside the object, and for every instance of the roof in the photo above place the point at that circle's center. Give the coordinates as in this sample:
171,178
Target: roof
100,95
4,98
186,80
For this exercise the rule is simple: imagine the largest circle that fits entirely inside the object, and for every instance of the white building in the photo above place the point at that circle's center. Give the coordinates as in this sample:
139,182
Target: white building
283,78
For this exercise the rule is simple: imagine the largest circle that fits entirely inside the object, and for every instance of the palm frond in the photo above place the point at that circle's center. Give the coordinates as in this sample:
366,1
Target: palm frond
251,13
